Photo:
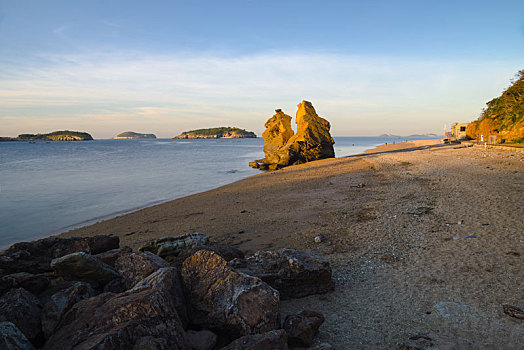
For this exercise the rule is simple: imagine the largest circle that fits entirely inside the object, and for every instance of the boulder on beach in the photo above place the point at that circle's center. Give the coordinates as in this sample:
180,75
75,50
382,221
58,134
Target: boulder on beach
60,302
226,301
292,272
282,147
11,338
84,267
274,340
23,309
302,328
134,267
172,246
35,257
121,321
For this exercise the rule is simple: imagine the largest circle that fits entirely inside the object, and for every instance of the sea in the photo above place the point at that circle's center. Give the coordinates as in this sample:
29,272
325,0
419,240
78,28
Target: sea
52,187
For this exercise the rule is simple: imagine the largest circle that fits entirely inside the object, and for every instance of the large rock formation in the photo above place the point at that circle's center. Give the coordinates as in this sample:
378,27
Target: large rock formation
277,134
312,140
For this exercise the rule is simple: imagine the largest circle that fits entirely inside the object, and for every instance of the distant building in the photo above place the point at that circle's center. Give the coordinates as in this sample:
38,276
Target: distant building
458,131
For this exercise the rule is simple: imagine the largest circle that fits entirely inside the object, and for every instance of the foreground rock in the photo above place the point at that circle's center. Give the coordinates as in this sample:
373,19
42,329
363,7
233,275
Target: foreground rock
32,283
22,308
172,246
12,339
61,302
435,341
293,273
225,301
302,328
134,267
312,140
201,340
84,267
121,321
274,340
177,249
513,311
35,257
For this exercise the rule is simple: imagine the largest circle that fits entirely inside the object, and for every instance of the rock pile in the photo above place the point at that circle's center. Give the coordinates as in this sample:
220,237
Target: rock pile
87,293
283,147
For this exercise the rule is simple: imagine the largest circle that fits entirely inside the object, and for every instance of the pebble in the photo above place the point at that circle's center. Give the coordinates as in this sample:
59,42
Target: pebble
319,239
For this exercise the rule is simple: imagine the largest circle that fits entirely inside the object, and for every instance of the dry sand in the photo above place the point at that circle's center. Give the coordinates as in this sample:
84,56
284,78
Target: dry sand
433,243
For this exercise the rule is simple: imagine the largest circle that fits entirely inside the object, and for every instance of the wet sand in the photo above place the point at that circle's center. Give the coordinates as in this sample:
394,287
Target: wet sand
423,238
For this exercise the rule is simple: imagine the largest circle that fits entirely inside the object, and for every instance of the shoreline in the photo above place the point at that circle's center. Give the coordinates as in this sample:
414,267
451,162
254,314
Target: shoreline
105,217
423,238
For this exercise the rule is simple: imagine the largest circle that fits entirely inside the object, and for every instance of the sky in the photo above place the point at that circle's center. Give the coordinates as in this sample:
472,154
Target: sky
163,67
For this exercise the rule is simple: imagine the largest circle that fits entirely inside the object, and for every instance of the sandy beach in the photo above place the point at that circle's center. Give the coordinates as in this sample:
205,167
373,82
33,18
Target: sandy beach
423,238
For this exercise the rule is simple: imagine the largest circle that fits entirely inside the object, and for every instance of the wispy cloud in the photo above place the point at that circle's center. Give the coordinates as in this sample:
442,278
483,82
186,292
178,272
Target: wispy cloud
358,94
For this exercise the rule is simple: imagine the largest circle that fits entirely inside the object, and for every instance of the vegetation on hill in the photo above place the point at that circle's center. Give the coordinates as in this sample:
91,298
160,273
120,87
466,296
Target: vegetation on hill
504,115
64,135
134,135
221,132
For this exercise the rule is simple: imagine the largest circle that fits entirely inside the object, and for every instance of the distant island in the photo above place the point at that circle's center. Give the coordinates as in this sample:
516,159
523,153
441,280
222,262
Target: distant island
130,135
424,135
63,135
216,133
388,135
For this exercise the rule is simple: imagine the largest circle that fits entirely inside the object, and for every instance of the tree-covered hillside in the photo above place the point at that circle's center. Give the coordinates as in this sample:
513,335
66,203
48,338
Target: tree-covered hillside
504,115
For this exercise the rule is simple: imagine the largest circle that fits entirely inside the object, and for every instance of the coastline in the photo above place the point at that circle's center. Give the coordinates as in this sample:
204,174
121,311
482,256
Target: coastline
423,238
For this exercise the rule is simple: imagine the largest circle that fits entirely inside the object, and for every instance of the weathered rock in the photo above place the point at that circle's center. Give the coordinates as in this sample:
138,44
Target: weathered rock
22,309
32,283
321,346
134,267
168,279
115,286
111,256
84,267
228,253
302,328
12,339
201,340
513,311
277,134
172,246
36,256
293,273
60,302
151,343
274,340
121,321
312,140
225,301
435,341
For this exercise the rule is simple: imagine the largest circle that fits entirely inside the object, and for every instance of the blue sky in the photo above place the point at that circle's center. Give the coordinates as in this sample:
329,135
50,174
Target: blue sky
369,67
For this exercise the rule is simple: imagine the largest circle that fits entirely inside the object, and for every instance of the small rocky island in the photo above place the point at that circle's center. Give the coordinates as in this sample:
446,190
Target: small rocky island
282,147
217,133
131,135
63,135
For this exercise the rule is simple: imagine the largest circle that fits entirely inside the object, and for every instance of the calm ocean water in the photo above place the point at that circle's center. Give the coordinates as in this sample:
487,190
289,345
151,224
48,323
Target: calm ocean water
47,188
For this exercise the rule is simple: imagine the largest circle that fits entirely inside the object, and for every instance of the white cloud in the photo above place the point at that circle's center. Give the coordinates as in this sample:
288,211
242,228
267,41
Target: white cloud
165,94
